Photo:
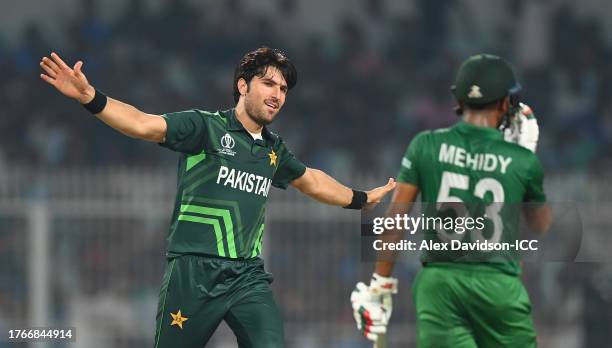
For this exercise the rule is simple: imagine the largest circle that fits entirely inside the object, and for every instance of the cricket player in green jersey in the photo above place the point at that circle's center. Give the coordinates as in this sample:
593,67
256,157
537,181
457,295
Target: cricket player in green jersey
228,162
462,302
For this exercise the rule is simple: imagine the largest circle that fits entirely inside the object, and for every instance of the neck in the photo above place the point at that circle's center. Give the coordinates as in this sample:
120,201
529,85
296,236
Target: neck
246,120
487,119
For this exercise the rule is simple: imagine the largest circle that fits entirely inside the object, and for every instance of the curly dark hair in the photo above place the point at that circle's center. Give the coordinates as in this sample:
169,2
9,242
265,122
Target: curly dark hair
256,63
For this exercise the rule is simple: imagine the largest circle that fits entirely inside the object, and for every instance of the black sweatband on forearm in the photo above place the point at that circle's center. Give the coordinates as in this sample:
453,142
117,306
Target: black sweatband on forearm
97,104
359,200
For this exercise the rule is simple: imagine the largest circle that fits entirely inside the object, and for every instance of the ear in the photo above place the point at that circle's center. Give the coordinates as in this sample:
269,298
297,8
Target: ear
504,104
459,108
243,86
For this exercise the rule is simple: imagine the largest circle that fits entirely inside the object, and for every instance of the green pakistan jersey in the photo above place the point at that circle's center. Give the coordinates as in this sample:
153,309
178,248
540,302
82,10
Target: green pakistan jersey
474,165
224,176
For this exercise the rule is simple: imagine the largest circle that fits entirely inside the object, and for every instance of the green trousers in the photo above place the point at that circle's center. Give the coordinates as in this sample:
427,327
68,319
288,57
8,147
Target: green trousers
466,306
199,292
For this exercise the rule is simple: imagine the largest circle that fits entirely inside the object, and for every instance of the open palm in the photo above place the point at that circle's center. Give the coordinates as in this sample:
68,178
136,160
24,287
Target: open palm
71,82
377,194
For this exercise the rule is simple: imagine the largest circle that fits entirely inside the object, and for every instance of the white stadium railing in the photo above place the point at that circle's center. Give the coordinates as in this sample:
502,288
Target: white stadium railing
85,248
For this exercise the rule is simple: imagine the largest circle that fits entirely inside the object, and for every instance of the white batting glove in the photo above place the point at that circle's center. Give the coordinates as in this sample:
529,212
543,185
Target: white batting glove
372,305
523,129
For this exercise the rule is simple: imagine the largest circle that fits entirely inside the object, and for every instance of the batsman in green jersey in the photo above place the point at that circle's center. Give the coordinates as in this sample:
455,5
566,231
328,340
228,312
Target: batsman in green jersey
228,162
468,299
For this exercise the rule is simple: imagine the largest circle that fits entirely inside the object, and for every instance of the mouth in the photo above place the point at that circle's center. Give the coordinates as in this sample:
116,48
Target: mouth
273,105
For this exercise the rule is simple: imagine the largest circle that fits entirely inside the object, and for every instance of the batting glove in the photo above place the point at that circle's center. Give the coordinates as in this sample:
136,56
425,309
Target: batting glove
372,305
523,129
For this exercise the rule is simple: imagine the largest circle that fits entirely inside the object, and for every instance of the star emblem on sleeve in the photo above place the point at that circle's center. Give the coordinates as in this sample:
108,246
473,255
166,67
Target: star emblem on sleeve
273,158
178,319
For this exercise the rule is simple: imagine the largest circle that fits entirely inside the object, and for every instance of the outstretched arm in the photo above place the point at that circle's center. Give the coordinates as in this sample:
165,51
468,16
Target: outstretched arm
125,118
322,187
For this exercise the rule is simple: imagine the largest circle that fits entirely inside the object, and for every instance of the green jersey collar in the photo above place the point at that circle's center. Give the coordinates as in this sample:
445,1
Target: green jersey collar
477,131
234,125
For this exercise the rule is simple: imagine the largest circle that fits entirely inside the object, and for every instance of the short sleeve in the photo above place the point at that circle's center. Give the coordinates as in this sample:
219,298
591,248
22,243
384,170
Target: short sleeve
185,131
409,167
289,168
535,182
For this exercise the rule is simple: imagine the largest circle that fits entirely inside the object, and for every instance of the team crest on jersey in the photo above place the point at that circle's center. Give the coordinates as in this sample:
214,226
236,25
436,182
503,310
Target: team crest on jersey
178,319
228,143
273,157
475,92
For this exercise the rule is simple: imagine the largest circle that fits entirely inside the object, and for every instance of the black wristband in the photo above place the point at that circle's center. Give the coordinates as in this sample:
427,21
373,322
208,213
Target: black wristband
97,104
359,200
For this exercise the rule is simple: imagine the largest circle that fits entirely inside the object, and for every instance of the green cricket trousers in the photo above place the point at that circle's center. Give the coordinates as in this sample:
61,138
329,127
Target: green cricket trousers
466,306
198,292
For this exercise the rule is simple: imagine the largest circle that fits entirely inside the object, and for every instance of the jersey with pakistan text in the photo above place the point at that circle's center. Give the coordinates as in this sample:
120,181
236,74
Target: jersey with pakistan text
473,165
224,177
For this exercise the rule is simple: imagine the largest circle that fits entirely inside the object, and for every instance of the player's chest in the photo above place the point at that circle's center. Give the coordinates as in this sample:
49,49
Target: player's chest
238,151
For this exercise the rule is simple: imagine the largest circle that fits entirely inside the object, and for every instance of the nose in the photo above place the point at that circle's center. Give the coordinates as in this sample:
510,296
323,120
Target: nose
277,93
276,97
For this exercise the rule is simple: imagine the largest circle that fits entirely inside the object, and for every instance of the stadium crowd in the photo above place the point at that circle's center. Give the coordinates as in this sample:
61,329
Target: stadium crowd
362,93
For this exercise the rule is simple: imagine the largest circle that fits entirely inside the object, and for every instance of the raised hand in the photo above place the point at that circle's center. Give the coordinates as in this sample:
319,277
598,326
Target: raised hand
377,194
71,82
524,129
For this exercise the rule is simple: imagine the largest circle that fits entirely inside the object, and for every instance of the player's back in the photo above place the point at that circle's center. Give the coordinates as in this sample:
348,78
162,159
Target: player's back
474,165
476,160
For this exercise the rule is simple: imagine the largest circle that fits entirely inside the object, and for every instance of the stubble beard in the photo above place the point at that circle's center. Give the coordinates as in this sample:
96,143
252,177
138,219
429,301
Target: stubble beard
257,114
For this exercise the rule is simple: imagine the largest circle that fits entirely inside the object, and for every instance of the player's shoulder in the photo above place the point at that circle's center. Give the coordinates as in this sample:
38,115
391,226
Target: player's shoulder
520,154
422,140
274,135
194,113
515,149
440,131
276,140
218,116
430,134
219,119
422,135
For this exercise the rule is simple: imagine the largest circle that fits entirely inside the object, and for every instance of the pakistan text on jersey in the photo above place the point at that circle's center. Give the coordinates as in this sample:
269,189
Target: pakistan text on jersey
244,181
487,162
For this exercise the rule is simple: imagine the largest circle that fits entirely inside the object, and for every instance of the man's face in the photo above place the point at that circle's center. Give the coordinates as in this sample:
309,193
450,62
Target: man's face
265,95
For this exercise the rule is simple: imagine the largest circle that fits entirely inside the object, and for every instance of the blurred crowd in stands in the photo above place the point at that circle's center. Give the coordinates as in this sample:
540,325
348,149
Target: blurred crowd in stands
362,93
